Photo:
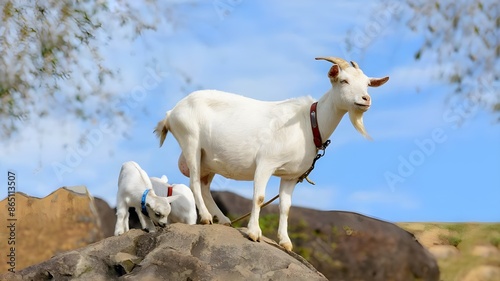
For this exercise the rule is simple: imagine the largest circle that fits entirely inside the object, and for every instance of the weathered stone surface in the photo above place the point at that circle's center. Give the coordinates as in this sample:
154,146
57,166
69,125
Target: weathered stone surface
178,252
64,220
107,217
125,262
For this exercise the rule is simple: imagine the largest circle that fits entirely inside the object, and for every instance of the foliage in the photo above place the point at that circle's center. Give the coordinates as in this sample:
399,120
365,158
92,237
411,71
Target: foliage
495,241
269,224
452,240
459,228
51,57
461,37
456,231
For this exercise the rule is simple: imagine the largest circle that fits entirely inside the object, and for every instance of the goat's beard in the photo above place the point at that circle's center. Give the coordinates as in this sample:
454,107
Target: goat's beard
356,118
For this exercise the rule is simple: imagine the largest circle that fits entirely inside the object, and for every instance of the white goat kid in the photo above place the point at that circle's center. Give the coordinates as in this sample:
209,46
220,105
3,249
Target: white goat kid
183,209
246,139
135,190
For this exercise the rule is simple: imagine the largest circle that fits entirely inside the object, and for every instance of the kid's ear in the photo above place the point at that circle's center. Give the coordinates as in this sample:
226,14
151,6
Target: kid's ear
164,179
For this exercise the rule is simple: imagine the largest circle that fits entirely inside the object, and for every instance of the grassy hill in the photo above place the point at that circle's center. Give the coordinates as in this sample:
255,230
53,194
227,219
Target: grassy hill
465,251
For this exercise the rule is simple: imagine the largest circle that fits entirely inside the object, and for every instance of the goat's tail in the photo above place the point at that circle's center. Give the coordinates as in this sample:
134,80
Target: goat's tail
162,129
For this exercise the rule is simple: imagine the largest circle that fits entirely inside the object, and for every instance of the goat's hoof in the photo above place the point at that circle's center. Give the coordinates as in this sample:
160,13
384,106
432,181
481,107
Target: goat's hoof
205,221
287,245
254,236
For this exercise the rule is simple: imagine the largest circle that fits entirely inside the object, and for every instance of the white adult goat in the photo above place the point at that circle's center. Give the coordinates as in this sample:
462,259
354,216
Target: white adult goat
183,209
246,139
151,209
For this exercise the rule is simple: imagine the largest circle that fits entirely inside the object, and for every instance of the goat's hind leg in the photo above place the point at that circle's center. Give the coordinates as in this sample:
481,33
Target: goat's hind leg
121,218
209,200
193,160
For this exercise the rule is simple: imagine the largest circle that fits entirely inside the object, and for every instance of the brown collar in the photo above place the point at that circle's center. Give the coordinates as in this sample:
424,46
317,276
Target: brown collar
170,188
315,129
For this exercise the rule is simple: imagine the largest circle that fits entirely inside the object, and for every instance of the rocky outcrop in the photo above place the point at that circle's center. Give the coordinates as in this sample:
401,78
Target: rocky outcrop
178,252
341,245
345,245
66,219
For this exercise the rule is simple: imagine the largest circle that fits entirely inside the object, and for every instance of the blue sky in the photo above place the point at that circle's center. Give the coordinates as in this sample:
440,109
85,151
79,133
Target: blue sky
430,160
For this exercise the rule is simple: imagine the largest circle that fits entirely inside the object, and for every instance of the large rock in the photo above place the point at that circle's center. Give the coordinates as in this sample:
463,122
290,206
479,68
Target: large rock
345,245
67,219
178,252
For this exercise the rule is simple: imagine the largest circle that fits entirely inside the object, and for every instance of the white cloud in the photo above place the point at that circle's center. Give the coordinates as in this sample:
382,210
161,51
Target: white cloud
383,197
405,121
406,79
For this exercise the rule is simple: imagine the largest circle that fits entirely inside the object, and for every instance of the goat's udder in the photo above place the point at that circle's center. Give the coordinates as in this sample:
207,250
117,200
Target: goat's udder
183,166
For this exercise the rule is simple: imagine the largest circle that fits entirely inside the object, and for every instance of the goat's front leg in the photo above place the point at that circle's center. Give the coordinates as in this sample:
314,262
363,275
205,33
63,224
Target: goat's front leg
146,223
286,190
261,178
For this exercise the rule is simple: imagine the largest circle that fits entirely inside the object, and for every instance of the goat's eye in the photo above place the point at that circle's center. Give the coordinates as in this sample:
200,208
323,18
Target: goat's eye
344,82
157,214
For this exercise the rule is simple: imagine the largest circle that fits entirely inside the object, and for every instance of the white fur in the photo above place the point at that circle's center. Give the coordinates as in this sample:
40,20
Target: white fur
132,183
246,139
183,209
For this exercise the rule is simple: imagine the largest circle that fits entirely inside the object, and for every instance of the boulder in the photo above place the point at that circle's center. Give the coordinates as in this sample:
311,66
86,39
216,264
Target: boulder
177,252
345,245
64,220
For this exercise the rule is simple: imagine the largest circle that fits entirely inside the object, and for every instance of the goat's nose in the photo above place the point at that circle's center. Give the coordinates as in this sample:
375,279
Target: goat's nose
366,98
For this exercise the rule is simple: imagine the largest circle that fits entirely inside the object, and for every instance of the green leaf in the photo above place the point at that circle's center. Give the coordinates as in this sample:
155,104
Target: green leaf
418,54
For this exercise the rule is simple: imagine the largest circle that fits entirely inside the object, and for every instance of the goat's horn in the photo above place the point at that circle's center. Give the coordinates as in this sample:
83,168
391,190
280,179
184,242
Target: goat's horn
338,61
355,64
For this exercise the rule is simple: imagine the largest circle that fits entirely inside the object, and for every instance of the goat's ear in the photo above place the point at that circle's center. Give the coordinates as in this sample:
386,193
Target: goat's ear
376,82
334,72
164,179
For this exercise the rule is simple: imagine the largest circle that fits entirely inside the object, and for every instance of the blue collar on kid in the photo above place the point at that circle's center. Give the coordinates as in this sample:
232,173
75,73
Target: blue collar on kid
143,203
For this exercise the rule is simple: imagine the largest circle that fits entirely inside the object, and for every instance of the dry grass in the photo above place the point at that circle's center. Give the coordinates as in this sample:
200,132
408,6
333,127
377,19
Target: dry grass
465,237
